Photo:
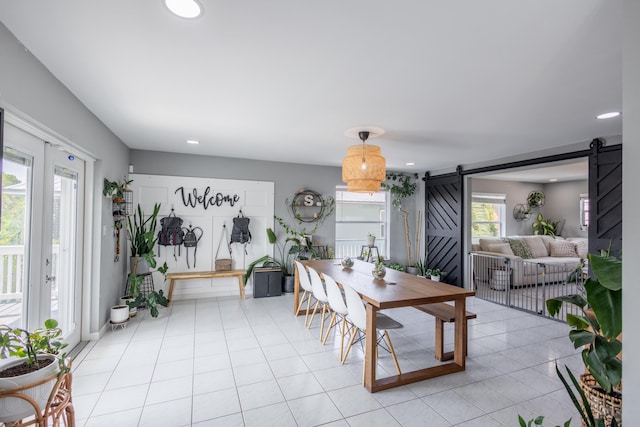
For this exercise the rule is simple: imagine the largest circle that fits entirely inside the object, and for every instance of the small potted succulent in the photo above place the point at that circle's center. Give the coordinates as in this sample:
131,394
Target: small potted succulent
379,270
38,357
436,274
347,262
371,240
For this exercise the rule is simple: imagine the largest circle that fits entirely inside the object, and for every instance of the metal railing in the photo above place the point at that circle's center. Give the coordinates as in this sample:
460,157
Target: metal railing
12,272
522,284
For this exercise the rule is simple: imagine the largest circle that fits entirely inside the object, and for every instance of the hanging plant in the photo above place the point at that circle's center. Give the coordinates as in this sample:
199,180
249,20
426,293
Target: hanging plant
535,199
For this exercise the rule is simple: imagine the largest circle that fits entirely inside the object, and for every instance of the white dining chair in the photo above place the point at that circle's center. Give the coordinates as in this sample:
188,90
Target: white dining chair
339,308
321,299
307,295
358,321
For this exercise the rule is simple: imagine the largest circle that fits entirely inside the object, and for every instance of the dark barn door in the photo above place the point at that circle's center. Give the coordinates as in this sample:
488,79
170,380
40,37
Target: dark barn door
605,196
443,231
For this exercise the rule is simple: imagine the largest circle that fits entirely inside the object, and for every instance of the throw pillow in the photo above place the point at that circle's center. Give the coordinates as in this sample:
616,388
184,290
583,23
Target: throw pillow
519,248
582,248
484,243
536,246
563,248
501,248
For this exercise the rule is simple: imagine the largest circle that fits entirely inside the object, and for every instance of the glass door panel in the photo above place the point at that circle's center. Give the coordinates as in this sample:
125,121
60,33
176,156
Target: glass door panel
14,236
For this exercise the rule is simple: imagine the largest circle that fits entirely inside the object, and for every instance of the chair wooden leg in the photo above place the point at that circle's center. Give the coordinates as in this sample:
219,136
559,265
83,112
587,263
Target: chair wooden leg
344,322
313,314
324,313
439,339
353,337
304,295
393,353
332,322
306,316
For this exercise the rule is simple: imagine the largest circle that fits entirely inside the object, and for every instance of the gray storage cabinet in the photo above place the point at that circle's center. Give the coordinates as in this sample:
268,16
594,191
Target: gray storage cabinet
267,282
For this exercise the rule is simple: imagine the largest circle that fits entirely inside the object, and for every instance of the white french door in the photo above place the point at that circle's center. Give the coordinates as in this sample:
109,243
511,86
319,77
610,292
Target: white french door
44,185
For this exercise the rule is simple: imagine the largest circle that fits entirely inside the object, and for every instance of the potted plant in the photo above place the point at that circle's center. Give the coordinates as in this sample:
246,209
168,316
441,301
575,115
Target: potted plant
436,274
38,358
379,270
283,259
544,227
401,187
535,199
599,330
421,266
142,238
396,266
371,240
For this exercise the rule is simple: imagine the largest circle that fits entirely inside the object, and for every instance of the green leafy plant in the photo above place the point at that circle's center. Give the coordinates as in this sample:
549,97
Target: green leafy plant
379,264
142,238
436,272
286,252
544,227
396,266
421,265
537,422
598,328
535,199
114,189
18,342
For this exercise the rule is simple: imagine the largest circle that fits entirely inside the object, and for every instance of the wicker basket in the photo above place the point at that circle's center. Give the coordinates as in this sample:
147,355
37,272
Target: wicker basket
603,405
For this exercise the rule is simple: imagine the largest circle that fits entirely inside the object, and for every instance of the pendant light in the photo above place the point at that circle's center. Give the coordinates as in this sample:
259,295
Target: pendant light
364,168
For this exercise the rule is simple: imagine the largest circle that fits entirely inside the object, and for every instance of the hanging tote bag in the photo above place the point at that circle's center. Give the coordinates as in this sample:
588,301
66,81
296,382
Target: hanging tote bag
223,264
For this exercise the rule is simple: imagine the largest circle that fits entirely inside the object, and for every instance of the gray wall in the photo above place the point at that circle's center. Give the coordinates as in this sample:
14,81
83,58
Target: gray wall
27,87
516,193
563,203
288,179
630,208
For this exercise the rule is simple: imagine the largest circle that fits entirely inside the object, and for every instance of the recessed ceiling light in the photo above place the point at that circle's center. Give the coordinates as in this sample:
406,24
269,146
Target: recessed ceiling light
410,164
553,179
193,141
609,115
184,8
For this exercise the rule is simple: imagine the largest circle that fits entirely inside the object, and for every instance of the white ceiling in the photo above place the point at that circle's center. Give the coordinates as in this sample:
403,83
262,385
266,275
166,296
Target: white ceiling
451,82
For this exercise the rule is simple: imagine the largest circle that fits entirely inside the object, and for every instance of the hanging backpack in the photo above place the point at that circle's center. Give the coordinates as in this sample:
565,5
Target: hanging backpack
190,240
171,233
240,232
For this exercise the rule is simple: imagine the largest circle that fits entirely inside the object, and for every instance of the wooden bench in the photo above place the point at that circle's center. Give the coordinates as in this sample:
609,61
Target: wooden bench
444,313
190,275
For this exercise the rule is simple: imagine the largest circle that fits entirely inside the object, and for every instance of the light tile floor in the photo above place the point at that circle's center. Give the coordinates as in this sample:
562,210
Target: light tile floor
227,362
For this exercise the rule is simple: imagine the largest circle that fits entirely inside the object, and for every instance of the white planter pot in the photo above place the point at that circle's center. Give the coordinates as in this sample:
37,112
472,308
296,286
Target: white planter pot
14,409
371,241
412,270
435,278
119,313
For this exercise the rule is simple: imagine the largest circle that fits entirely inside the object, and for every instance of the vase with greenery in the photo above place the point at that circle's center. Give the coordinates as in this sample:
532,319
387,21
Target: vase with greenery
401,186
544,227
379,270
142,238
436,274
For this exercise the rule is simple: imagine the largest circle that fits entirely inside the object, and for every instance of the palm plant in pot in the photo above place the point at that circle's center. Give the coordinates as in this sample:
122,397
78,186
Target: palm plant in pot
38,358
599,330
142,239
286,252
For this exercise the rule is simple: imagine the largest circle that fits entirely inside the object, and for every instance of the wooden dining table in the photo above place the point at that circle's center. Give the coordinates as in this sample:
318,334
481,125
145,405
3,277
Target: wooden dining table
397,289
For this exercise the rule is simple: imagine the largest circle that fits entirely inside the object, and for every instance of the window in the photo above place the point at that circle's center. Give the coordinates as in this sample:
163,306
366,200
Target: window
584,211
357,215
487,216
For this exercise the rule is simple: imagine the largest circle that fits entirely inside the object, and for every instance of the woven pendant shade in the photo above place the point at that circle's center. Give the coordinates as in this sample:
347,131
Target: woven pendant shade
365,180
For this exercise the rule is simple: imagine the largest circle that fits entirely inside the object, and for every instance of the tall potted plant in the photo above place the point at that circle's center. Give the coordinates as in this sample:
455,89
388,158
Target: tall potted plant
401,186
599,330
38,357
142,238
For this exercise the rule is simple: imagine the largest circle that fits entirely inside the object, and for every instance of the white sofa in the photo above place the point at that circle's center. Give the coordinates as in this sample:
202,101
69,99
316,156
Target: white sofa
537,259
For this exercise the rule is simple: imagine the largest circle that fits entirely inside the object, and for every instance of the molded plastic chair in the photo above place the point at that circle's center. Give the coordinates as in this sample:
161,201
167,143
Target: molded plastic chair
321,297
337,304
358,318
305,282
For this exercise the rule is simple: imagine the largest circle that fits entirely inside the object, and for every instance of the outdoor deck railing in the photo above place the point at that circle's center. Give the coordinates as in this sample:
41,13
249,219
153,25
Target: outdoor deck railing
12,267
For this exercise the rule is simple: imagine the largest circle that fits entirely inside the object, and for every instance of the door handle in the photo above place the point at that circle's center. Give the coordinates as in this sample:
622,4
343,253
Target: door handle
50,278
